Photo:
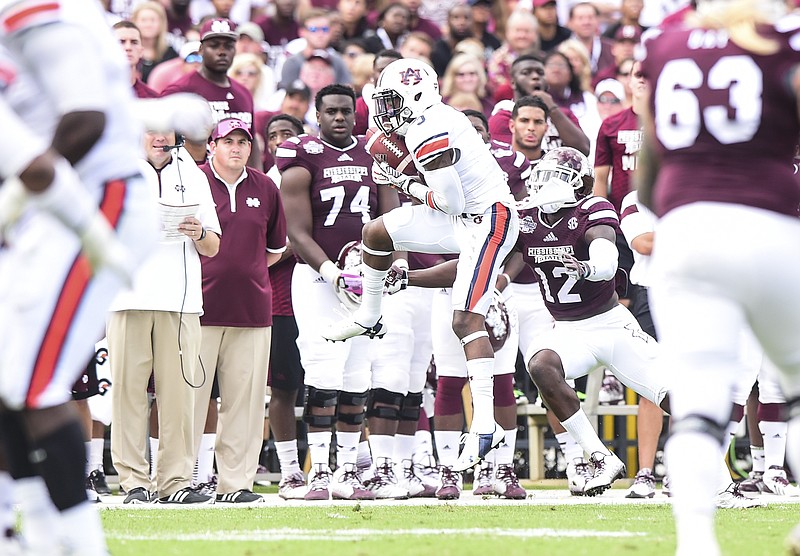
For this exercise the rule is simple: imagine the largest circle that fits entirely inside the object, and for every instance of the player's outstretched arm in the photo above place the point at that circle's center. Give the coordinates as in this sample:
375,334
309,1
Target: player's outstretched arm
438,276
603,256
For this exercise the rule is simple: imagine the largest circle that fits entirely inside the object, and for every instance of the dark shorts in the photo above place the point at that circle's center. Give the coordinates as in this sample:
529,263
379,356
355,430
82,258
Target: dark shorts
640,307
285,370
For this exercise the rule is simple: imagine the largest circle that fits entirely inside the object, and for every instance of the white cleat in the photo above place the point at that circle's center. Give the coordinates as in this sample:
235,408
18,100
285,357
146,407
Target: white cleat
775,482
579,471
644,486
476,446
348,328
384,484
607,469
293,487
732,498
346,484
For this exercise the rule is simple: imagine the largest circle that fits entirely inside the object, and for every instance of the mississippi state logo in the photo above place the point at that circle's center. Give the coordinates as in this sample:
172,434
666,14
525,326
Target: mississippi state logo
410,77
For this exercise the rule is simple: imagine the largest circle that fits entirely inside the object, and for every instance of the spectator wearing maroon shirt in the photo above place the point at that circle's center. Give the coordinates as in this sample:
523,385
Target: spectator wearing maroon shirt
179,20
280,29
417,23
583,22
237,293
228,99
625,40
131,40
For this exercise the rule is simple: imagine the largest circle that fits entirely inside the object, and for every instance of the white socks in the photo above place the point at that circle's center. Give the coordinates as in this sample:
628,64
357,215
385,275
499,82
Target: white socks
288,457
757,455
382,446
504,454
447,446
481,385
584,434
96,454
403,448
571,449
372,286
347,447
40,518
364,460
154,457
319,447
205,458
774,442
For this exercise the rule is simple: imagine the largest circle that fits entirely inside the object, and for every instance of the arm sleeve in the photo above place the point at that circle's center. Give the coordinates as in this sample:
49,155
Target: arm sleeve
443,193
603,257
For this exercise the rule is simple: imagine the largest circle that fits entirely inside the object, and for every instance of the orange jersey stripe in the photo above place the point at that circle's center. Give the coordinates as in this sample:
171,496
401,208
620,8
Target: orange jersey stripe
69,301
487,257
432,147
20,19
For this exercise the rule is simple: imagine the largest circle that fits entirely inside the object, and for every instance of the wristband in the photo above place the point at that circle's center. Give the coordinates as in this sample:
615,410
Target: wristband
507,277
330,272
202,235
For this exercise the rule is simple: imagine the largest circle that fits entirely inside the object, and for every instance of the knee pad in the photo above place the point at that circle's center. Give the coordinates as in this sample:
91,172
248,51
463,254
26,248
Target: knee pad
772,412
383,396
17,445
320,399
702,425
504,390
412,405
353,399
448,395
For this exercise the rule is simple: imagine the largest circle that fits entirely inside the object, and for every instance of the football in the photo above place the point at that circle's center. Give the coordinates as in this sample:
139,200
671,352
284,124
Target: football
390,149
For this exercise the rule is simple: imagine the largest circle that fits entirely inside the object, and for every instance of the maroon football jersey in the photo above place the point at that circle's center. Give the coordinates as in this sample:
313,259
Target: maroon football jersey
236,283
280,277
725,120
226,102
618,144
542,246
514,165
343,195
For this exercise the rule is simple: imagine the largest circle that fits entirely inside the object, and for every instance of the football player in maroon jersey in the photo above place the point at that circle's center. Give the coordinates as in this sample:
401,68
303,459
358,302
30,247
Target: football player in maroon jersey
720,132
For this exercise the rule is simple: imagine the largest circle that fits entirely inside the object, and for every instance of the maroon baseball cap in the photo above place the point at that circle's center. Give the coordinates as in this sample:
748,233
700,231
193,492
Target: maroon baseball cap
229,125
540,3
218,28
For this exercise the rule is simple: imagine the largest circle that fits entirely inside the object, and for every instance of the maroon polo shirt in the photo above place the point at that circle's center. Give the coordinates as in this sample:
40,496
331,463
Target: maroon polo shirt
236,283
226,102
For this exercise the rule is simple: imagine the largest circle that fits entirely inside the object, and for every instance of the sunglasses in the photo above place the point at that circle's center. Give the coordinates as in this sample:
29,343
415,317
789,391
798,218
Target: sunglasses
193,59
318,28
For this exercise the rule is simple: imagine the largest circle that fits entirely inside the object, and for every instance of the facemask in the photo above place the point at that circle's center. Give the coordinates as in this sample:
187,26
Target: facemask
552,195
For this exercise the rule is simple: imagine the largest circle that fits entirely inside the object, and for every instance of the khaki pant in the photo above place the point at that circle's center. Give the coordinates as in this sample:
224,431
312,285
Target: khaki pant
141,342
239,357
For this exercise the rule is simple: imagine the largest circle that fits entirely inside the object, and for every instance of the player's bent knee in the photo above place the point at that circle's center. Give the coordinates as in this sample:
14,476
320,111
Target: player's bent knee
375,236
466,324
384,404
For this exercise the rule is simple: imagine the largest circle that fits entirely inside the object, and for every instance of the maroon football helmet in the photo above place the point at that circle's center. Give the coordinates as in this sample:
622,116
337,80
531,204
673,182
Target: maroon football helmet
563,177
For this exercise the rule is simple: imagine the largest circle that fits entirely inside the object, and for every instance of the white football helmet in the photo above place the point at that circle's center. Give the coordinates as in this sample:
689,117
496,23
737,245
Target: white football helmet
404,90
562,178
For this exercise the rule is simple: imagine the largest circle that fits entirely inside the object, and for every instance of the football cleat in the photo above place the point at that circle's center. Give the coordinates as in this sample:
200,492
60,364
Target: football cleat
384,484
579,471
506,484
451,484
775,482
412,482
346,484
209,488
607,469
665,487
476,446
319,483
428,472
348,328
483,480
753,485
98,481
612,391
292,487
644,485
732,498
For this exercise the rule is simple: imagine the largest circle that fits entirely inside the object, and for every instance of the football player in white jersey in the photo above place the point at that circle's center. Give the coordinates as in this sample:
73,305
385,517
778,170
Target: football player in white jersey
466,208
68,244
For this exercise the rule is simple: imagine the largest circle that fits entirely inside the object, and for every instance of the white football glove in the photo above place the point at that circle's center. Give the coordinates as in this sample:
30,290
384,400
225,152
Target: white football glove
397,278
396,179
575,269
186,113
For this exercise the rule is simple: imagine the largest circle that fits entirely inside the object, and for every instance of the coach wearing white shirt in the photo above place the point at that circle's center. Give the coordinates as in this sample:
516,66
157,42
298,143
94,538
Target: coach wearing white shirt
155,327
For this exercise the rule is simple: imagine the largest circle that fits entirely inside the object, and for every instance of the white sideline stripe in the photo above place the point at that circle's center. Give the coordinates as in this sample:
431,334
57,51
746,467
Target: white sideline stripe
286,534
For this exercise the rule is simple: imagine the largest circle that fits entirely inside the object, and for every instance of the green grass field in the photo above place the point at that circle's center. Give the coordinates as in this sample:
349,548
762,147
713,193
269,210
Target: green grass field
440,530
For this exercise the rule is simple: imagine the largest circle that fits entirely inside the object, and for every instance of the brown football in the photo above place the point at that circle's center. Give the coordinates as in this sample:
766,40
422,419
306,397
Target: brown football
391,149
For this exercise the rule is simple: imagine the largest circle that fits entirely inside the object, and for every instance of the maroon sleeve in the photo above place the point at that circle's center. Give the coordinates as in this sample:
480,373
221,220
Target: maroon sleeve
276,228
603,155
498,126
362,117
289,154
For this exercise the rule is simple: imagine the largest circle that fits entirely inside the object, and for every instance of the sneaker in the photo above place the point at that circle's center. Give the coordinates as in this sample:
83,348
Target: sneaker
607,469
579,471
384,484
428,472
775,482
476,446
98,481
506,484
612,391
753,485
319,483
292,487
348,328
410,481
644,485
138,495
186,495
483,480
732,498
242,496
209,488
346,484
451,484
665,490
